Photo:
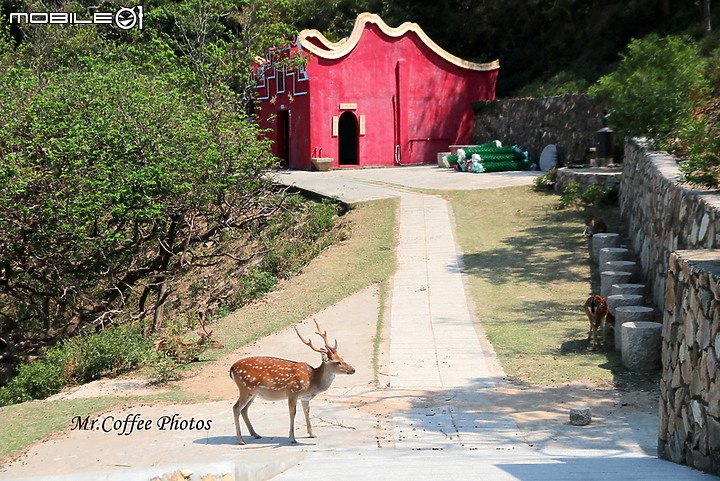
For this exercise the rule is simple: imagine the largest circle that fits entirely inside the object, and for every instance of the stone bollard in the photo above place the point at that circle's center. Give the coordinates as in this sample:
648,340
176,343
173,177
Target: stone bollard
624,300
625,314
608,278
608,254
600,241
641,345
625,266
638,289
580,416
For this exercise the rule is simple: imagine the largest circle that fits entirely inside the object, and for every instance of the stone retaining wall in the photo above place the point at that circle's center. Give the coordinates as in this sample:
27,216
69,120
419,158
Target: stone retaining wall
690,385
662,216
675,231
602,177
569,121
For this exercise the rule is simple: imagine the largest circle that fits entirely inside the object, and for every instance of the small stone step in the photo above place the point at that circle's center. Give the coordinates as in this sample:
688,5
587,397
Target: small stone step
641,345
608,278
608,254
624,314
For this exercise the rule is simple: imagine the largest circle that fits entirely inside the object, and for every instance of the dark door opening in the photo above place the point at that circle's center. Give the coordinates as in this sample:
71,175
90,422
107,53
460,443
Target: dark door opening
348,139
283,120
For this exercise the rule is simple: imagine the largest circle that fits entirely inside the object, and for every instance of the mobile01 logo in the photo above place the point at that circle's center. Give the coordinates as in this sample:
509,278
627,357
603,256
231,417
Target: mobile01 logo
124,18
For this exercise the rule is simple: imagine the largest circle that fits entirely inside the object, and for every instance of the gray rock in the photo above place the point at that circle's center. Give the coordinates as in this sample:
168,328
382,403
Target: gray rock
580,416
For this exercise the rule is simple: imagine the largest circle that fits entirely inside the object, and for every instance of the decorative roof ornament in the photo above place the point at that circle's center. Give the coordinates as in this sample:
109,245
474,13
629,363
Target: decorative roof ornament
316,43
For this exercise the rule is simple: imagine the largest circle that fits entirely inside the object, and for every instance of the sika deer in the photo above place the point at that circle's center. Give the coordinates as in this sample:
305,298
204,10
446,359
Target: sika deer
597,312
593,226
186,351
274,379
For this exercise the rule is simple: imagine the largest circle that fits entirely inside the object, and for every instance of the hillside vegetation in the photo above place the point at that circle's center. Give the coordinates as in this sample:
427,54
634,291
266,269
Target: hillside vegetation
130,164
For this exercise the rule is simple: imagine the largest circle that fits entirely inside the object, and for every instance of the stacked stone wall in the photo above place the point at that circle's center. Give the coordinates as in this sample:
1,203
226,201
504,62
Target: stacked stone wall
690,385
675,231
604,178
663,216
569,121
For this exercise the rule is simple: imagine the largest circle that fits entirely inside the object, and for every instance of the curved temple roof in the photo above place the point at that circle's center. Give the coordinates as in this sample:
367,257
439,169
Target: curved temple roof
316,43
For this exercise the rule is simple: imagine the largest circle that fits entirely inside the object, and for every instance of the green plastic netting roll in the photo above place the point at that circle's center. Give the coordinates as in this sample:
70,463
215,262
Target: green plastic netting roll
491,150
502,157
506,165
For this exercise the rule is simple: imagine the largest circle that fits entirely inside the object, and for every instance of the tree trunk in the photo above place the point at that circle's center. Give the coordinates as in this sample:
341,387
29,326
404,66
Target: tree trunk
159,307
665,8
707,25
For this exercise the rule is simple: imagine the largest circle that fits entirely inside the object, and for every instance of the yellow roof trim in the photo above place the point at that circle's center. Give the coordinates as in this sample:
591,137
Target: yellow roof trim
336,50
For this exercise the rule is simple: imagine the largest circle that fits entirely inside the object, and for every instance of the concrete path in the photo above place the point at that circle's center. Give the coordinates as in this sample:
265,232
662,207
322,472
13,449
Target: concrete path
437,348
359,185
444,423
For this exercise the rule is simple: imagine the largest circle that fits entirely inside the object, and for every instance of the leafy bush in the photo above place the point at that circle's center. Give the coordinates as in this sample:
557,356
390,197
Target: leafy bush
255,283
77,360
110,352
546,181
652,89
589,199
560,83
698,144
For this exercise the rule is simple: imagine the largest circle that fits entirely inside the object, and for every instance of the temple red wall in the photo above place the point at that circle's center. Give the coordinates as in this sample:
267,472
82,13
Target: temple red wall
407,101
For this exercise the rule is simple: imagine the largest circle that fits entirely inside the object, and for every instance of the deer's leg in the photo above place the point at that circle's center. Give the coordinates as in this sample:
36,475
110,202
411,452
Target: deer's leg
595,335
239,405
246,418
592,335
306,410
591,324
292,406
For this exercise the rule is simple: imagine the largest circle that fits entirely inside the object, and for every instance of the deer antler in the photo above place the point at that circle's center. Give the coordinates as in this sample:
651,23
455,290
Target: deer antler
309,343
201,318
325,338
323,335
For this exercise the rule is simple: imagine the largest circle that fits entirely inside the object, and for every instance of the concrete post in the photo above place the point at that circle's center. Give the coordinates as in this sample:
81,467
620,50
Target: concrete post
625,266
637,289
608,254
641,345
624,300
625,314
600,241
608,278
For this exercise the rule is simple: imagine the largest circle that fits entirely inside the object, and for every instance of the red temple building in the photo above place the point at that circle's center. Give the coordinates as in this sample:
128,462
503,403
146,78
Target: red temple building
381,97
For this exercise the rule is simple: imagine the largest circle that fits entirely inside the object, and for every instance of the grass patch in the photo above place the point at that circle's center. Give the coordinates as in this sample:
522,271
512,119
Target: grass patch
32,421
529,275
366,257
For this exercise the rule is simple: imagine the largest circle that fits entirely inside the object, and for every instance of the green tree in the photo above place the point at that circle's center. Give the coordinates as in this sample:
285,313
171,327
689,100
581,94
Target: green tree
111,177
651,91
